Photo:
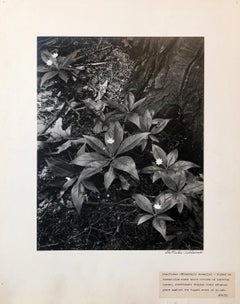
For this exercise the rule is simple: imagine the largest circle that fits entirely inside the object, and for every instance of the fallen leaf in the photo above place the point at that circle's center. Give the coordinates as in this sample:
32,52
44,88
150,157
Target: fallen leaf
40,127
57,133
102,90
68,144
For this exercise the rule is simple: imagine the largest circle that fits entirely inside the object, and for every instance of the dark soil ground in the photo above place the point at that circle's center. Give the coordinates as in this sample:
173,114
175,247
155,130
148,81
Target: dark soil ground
107,220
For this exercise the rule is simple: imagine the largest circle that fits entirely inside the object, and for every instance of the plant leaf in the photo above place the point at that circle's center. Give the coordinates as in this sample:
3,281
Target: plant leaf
188,203
169,182
180,206
109,177
182,165
86,159
159,153
126,164
146,121
157,175
153,138
88,172
179,178
46,55
131,142
67,185
190,177
67,145
150,169
169,238
144,218
173,198
160,126
138,103
78,196
60,167
96,145
172,157
113,117
63,75
47,76
115,105
182,200
195,187
160,226
124,183
63,147
81,150
81,140
90,186
69,59
42,68
166,201
143,203
165,218
134,118
99,164
131,100
114,132
144,144
98,128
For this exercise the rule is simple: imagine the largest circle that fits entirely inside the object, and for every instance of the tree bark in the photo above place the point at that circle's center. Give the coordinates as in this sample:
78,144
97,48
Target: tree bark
169,72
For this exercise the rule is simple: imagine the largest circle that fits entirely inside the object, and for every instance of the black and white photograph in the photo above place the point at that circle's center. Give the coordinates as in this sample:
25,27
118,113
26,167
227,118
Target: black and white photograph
120,152
120,143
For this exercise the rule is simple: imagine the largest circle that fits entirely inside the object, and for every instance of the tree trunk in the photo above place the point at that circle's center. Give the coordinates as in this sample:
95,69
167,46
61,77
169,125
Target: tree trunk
169,72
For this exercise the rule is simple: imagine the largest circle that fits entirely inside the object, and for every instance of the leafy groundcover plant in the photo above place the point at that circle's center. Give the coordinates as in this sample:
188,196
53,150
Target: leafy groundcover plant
123,157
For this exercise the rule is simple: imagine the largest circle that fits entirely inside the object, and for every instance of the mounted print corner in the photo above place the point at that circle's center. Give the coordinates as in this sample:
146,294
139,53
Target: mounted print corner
120,143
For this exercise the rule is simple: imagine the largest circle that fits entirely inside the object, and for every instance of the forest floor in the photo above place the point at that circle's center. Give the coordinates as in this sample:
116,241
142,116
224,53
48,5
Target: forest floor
108,219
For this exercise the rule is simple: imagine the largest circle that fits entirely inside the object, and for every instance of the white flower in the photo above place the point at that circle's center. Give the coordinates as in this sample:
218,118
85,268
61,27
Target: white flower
159,161
49,62
157,206
110,140
54,55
